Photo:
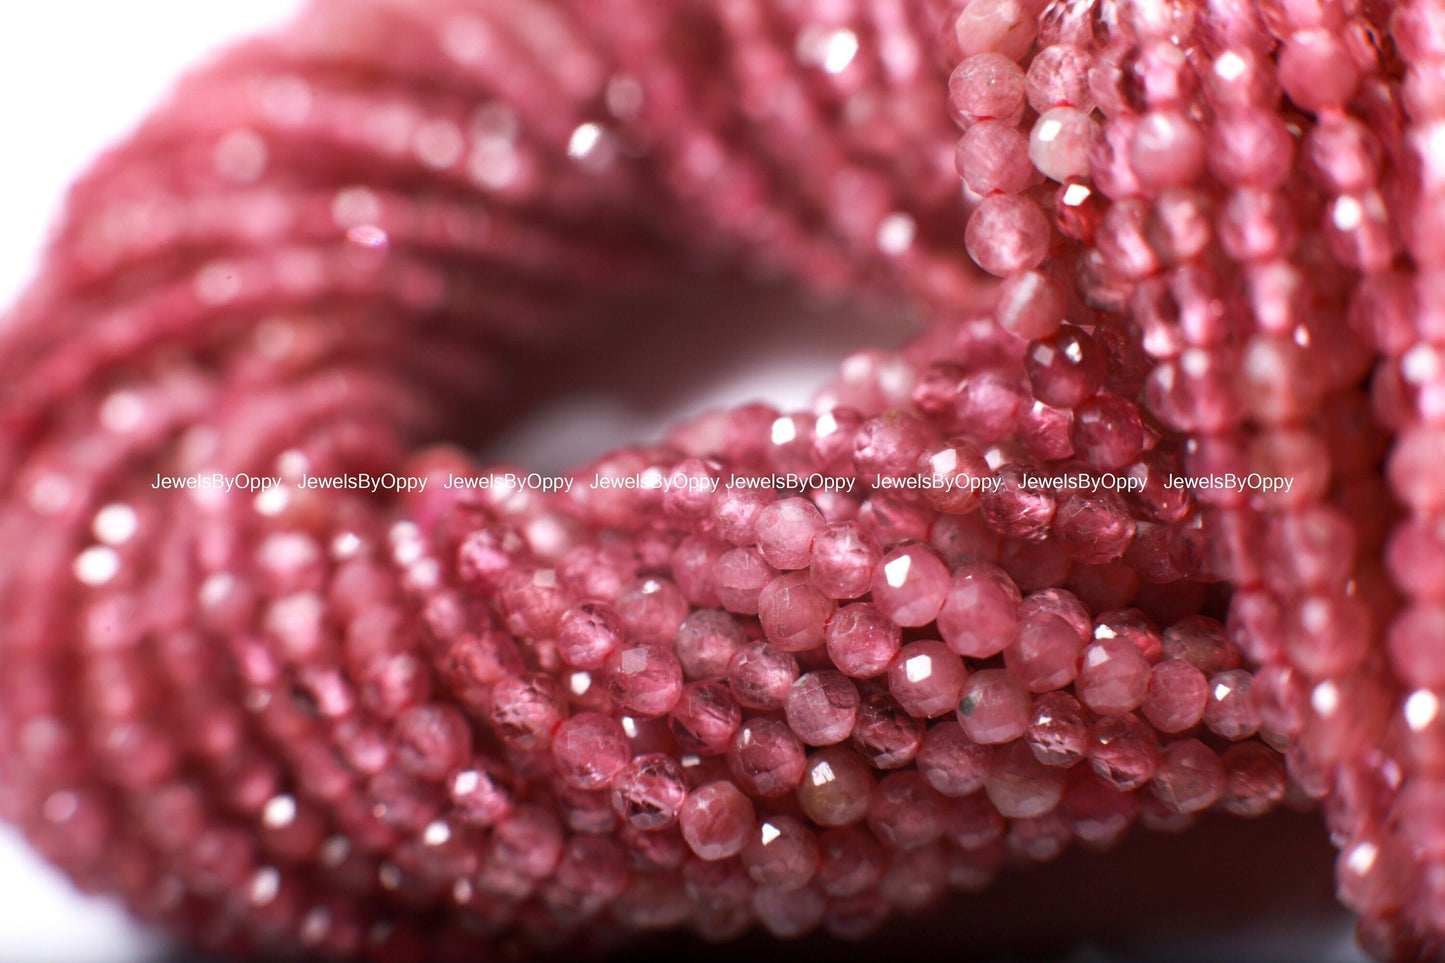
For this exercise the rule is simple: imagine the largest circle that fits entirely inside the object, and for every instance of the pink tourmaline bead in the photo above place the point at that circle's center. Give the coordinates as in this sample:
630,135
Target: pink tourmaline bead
1094,528
1416,643
1114,677
844,557
526,709
735,513
1316,71
1060,142
651,609
766,758
1176,696
1006,233
886,735
1123,750
644,680
704,719
1058,76
1030,305
716,820
781,853
822,707
740,577
1057,732
905,811
761,675
927,679
851,862
1065,368
793,613
993,158
589,750
649,791
1046,653
953,763
862,641
987,86
432,741
836,787
1255,779
910,585
1004,26
1017,506
785,531
1200,641
1107,432
1190,777
889,445
706,642
1019,786
1166,150
1230,711
1250,148
587,634
994,708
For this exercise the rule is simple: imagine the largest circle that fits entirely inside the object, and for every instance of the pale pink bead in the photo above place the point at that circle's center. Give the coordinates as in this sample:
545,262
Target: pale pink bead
1058,76
1202,642
1316,70
587,634
526,709
1123,750
844,556
1342,155
649,791
704,719
822,707
589,750
888,445
1166,150
781,853
994,708
979,618
1250,148
1230,711
1057,733
1123,240
993,158
1114,677
1061,141
862,641
785,531
1176,696
739,578
706,642
1046,653
953,763
1006,233
909,585
1004,26
794,613
644,680
766,758
1030,305
1415,468
1017,507
735,513
1415,558
1257,226
761,674
905,811
1019,786
987,86
1416,643
927,679
716,820
955,469
836,787
651,609
1190,777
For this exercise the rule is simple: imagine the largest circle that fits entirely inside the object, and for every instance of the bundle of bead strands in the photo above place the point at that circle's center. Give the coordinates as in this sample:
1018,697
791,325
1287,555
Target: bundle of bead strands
452,723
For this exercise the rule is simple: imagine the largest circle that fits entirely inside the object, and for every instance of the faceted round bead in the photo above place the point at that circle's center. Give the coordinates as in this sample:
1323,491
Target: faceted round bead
1060,142
1107,432
905,811
761,675
740,577
1316,71
649,791
862,641
979,617
987,86
909,585
994,708
1176,696
706,642
1230,711
1123,751
1065,368
1046,653
1114,677
851,862
1021,787
1416,643
1200,641
1190,777
1006,233
1017,506
717,820
1057,732
587,634
889,445
1001,26
432,741
993,158
927,679
785,530
955,469
822,707
651,609
1030,305
526,709
766,758
1255,780
644,680
886,735
781,853
1166,150
836,787
589,750
793,613
844,557
704,719
1058,76
1094,528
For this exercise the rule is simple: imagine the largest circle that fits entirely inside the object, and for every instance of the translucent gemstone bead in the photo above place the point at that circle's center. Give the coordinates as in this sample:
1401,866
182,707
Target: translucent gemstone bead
1057,733
1006,233
794,613
761,675
587,634
1176,696
851,862
589,750
927,679
644,680
704,719
649,791
766,758
1094,528
1030,305
781,853
1060,142
862,641
1123,750
994,708
1065,368
905,811
785,530
1166,150
1021,787
1190,777
909,585
1230,711
1044,431
716,820
1202,642
526,709
1016,507
886,735
1255,780
1114,678
1107,432
1004,26
1416,643
822,707
987,86
651,609
956,470
1316,71
1341,155
1094,811
735,513
432,741
1250,148
1058,76
1046,653
844,557
739,578
836,787
979,617
1414,468
706,642
1415,558
888,446
953,763
993,158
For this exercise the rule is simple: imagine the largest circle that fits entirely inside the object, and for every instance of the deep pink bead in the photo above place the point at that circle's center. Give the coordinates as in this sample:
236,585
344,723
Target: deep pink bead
1006,233
1057,731
862,641
851,862
956,470
927,679
785,530
994,708
649,791
761,675
794,613
1094,528
1123,750
1017,506
822,707
844,557
1176,696
993,158
1046,653
781,853
717,820
432,740
889,445
1231,711
766,757
704,719
1107,432
526,709
1114,677
836,787
1200,641
909,585
589,750
644,680
979,617
1066,368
